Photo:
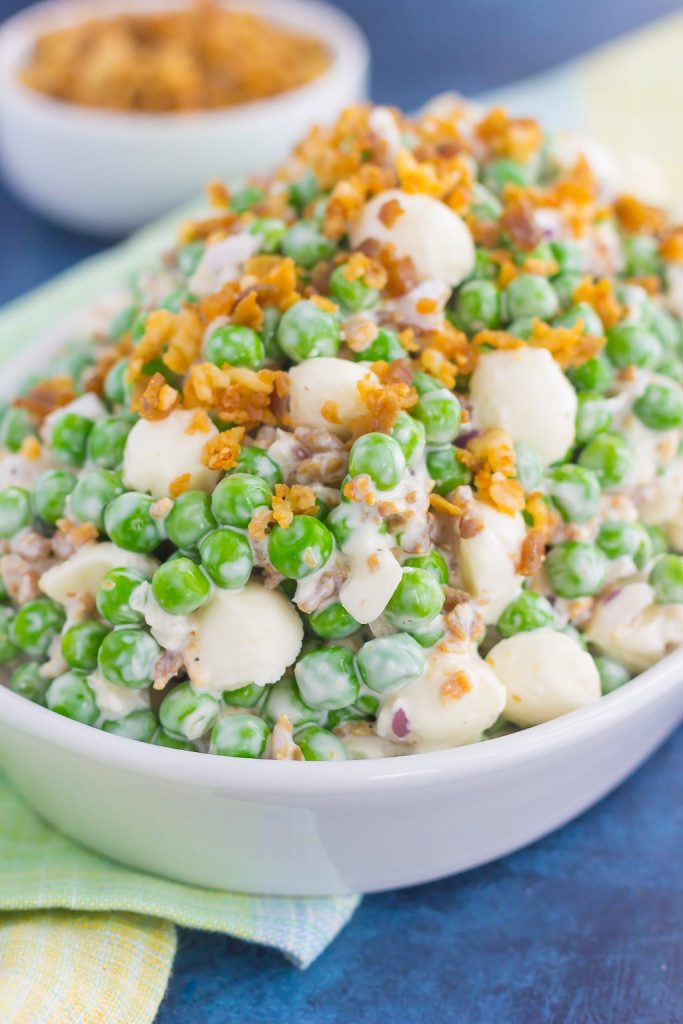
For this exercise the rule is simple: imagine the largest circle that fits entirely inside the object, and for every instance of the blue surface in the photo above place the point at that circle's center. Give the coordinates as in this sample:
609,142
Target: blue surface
585,927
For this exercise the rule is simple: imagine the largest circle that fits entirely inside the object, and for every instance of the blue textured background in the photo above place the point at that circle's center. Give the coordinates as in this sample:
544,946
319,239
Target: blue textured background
585,927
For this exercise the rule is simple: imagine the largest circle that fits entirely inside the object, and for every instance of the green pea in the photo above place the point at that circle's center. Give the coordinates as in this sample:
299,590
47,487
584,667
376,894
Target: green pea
114,594
424,382
478,306
107,441
522,327
576,569
80,644
641,256
660,407
666,579
239,735
117,390
565,284
567,255
27,681
630,540
189,256
245,696
69,440
353,295
658,541
226,558
592,416
385,346
72,696
531,295
8,648
505,171
127,656
50,493
610,458
632,345
190,520
175,299
92,494
306,331
409,434
327,678
270,231
366,706
257,461
305,243
528,611
238,497
575,492
612,674
301,548
15,511
446,470
339,524
236,345
380,457
318,744
140,725
36,625
188,714
333,622
129,522
303,191
529,467
439,413
180,586
666,328
416,601
16,425
284,699
595,375
432,562
164,739
244,198
671,366
389,663
592,324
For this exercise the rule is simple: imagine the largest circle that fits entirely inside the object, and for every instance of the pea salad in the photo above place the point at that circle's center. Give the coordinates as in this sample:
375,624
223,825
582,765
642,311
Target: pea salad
383,457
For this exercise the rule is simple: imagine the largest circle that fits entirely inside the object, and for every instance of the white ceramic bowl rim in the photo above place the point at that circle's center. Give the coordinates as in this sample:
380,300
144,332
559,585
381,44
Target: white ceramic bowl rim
325,779
347,45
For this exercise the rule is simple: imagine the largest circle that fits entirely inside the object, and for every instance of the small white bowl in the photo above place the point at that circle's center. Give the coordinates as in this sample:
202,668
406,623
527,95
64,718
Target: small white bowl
107,172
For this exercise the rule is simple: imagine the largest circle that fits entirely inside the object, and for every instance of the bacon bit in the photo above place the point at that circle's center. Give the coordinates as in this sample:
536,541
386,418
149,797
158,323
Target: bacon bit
492,449
504,494
274,279
362,267
373,562
199,424
20,580
434,362
390,212
280,745
237,394
217,227
517,219
180,485
159,509
383,403
71,536
448,508
470,524
222,451
671,248
247,312
545,268
330,411
292,501
217,194
518,138
496,339
402,276
543,517
165,668
325,304
30,449
455,687
600,295
532,553
350,193
650,283
637,218
158,399
46,396
426,306
507,273
568,346
260,521
407,340
360,332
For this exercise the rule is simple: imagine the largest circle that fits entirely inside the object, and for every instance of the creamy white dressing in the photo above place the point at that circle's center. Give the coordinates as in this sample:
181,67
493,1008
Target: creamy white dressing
222,262
172,632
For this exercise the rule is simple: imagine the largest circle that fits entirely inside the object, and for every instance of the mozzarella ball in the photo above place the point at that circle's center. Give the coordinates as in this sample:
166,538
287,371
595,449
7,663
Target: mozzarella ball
545,673
660,503
242,636
374,575
159,451
317,381
627,625
453,703
83,571
524,391
437,240
487,562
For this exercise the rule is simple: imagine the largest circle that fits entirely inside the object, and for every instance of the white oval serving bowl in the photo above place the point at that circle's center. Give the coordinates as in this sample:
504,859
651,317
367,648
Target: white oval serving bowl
107,172
292,828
